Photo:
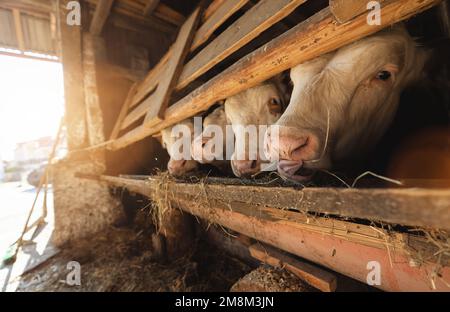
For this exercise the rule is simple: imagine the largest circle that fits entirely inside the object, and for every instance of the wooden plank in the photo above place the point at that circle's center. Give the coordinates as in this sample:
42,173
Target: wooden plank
123,112
413,207
125,12
19,30
92,45
211,9
345,10
150,6
222,13
341,246
168,14
72,61
155,105
316,36
313,275
249,26
100,16
151,80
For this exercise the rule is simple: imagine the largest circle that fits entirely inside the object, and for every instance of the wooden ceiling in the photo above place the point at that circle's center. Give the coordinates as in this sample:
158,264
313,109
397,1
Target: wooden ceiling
152,13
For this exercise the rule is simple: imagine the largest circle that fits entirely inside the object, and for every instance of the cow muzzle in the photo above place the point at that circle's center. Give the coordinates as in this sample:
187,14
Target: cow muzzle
293,148
181,167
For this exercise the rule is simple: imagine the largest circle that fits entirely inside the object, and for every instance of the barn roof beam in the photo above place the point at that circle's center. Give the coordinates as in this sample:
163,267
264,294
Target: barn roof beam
150,6
100,16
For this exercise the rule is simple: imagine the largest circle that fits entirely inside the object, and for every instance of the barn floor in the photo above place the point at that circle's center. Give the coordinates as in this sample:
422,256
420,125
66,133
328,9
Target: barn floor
120,259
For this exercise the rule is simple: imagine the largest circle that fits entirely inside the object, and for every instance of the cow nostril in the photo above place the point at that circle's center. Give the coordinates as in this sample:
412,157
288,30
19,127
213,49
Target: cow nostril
302,146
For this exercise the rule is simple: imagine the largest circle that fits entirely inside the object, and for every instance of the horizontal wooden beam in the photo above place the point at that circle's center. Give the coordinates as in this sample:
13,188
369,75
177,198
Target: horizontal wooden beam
168,14
341,246
255,21
28,5
345,10
223,12
100,16
316,36
428,208
212,8
150,6
313,275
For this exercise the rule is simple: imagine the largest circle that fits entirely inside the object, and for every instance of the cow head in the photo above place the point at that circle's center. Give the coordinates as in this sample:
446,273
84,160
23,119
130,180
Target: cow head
177,141
343,102
260,105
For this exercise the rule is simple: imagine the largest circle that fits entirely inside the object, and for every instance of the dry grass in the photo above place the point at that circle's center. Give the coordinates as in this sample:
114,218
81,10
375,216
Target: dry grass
122,260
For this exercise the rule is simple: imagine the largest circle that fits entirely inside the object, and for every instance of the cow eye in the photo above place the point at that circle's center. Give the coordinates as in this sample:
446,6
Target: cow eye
275,106
384,75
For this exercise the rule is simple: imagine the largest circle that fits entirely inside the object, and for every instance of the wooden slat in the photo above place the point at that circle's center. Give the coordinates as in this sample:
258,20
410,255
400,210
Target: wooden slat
19,30
222,13
345,10
316,36
313,275
150,6
168,14
123,112
100,16
249,26
212,8
413,207
151,80
154,106
341,246
121,14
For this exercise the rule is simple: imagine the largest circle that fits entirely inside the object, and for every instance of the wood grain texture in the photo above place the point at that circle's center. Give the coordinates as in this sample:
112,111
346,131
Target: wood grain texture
249,26
341,246
345,10
150,6
222,13
164,77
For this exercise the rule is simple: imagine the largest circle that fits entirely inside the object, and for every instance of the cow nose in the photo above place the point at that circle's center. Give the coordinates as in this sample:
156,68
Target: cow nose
245,168
291,144
176,167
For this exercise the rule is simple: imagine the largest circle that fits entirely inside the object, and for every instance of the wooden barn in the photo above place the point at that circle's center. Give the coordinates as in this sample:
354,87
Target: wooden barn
134,68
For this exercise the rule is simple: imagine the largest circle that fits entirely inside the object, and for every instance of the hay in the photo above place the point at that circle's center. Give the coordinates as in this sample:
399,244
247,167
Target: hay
160,203
122,260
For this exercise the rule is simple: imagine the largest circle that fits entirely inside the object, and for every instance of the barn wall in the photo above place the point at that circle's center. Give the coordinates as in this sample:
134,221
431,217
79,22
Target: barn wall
98,72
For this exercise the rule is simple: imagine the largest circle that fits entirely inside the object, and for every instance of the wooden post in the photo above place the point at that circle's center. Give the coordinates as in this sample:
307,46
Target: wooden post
72,60
94,116
177,228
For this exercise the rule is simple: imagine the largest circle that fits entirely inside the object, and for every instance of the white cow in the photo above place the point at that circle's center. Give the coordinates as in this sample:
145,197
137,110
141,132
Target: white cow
343,102
204,148
261,105
179,165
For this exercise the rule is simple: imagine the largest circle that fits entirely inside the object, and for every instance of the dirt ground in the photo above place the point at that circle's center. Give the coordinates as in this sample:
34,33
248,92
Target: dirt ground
120,259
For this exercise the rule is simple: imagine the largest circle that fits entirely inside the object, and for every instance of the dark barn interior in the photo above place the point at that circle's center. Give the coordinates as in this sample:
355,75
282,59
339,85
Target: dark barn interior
135,68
